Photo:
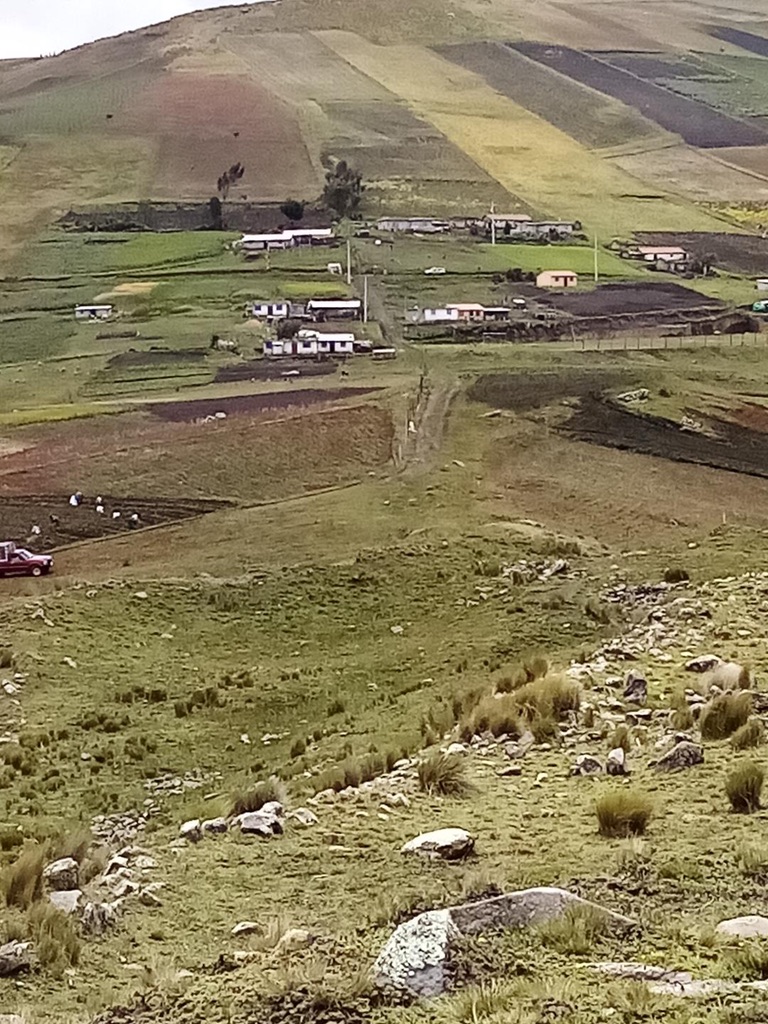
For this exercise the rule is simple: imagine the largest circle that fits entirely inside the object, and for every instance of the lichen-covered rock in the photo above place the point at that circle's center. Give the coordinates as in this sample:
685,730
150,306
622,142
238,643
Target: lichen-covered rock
636,687
215,826
617,762
66,900
586,764
683,755
16,957
266,822
443,844
752,926
98,918
303,817
191,831
417,955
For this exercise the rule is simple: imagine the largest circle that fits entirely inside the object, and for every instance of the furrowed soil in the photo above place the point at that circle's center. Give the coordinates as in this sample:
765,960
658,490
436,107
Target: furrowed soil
738,253
698,124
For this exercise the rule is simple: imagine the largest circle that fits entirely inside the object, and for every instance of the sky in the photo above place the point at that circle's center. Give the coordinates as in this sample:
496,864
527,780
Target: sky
35,27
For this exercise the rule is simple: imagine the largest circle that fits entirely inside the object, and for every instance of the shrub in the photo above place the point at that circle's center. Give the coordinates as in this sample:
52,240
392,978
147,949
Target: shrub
598,612
752,861
22,881
724,715
6,658
55,939
675,574
75,845
262,793
444,775
576,931
336,707
743,786
751,734
682,719
623,812
298,747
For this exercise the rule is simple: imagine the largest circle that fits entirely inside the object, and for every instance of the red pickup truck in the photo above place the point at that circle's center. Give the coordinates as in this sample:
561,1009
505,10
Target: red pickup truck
20,562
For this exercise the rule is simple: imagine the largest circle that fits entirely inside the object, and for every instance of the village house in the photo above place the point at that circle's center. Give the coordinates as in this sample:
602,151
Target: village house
467,311
335,309
413,225
440,314
314,344
521,226
93,312
557,279
270,310
254,245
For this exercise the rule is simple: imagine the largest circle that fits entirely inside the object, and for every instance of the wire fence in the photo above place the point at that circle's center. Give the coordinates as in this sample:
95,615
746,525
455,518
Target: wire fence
646,344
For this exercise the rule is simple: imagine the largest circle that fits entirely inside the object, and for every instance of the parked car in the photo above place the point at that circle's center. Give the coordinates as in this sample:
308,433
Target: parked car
20,562
430,271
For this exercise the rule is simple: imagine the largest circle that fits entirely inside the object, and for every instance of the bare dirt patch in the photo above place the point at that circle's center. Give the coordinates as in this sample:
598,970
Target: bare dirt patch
698,124
245,405
615,299
205,123
261,369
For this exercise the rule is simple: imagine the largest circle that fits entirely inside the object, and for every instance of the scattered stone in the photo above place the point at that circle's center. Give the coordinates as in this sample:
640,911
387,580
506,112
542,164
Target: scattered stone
148,898
303,816
215,826
70,662
635,687
62,874
192,831
683,755
510,772
98,918
516,751
396,630
456,750
266,822
704,663
295,939
444,844
753,926
67,901
416,957
586,764
245,928
16,957
617,762
142,595
11,1018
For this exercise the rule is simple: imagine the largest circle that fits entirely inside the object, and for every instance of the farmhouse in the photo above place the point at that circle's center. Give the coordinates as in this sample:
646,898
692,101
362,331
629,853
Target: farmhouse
521,225
762,284
334,309
439,315
557,279
93,312
468,310
411,225
253,245
270,310
311,344
311,236
664,253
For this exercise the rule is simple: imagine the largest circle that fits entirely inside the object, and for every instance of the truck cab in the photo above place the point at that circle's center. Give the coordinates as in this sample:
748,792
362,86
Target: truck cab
20,562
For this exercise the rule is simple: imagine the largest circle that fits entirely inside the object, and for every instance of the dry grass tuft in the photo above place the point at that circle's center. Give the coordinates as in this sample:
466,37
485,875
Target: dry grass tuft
724,715
743,787
577,931
253,799
22,881
56,942
752,860
623,812
444,775
751,734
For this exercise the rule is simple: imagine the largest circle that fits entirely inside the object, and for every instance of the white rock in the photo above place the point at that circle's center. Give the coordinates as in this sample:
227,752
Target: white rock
455,749
245,928
753,926
444,843
66,900
397,630
294,939
191,831
303,816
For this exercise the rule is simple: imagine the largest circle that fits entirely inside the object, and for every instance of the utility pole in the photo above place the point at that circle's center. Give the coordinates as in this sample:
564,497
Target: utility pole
349,262
493,224
365,299
597,267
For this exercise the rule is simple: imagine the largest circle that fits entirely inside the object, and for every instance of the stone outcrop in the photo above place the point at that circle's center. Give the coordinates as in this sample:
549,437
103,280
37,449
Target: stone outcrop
752,926
16,957
62,874
416,957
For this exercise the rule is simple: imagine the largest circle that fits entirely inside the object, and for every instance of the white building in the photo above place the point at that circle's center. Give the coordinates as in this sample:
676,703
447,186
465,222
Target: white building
440,314
93,312
334,309
270,310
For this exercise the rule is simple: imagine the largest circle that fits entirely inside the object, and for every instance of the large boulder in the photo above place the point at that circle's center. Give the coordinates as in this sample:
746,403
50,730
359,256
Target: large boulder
617,762
16,957
683,755
303,817
97,918
191,830
586,764
62,874
416,958
443,844
752,926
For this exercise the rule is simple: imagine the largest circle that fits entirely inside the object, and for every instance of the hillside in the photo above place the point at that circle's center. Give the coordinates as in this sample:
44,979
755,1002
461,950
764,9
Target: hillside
285,87
402,659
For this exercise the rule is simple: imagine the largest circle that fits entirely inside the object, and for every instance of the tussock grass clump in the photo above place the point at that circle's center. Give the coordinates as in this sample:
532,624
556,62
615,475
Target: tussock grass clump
263,792
355,771
620,737
488,1001
298,747
22,881
75,845
6,658
577,931
749,961
498,715
623,812
751,734
444,775
56,941
752,860
743,786
724,715
551,697
682,719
